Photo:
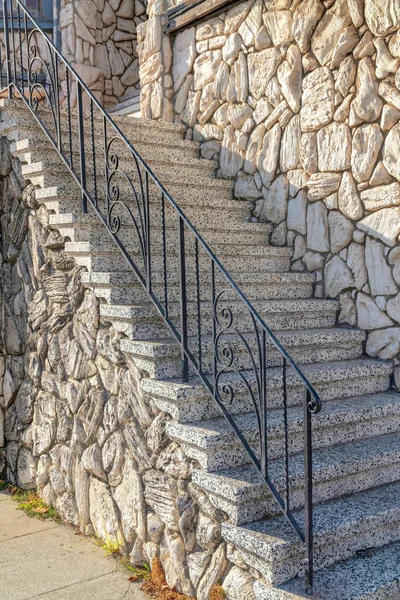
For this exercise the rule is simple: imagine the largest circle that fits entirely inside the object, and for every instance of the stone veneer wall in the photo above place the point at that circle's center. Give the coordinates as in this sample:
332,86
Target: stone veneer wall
76,424
299,102
100,36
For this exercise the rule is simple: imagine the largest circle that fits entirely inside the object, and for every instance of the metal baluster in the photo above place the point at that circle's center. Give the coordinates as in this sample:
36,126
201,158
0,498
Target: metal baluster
263,403
286,433
93,153
57,101
20,47
214,326
183,298
107,201
14,54
27,52
7,45
71,154
148,229
81,145
308,484
164,255
196,256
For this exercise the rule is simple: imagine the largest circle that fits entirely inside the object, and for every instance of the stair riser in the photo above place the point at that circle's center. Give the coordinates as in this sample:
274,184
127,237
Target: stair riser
233,453
133,294
233,212
230,217
178,191
145,328
390,591
200,409
184,177
176,151
105,261
157,156
327,486
85,234
171,368
377,534
134,130
189,169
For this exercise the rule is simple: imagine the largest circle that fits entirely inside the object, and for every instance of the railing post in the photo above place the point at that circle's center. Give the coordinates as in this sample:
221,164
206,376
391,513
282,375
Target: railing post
81,145
308,483
183,298
148,234
7,45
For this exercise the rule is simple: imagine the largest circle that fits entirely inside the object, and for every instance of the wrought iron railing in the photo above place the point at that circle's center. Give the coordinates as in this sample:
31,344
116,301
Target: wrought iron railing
222,338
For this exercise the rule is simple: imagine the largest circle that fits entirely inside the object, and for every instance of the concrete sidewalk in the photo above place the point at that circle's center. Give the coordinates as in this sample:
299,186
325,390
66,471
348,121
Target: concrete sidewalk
40,559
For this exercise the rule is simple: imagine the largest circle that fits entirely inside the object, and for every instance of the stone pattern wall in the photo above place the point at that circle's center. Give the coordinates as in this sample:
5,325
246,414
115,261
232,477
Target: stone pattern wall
299,102
78,427
100,37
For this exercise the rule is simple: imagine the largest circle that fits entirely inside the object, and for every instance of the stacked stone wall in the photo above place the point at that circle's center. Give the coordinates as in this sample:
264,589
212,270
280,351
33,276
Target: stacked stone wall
75,424
299,102
100,37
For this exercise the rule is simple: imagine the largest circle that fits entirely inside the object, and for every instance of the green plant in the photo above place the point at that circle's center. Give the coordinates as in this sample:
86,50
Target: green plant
30,503
111,546
139,573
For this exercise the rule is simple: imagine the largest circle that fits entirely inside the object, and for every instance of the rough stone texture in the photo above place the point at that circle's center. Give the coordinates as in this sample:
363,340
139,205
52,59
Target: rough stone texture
77,424
309,88
101,39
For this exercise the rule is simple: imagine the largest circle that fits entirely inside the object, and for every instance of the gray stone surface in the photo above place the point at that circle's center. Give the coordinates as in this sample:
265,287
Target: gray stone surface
373,575
41,559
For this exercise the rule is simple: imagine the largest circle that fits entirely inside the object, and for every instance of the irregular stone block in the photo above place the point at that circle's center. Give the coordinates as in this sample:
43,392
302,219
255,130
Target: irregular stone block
318,104
317,227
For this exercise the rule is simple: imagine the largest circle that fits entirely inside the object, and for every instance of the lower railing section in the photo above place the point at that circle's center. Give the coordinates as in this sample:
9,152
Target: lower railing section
222,338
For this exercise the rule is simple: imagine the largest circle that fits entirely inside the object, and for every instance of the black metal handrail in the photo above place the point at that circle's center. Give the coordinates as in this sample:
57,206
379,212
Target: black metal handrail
237,349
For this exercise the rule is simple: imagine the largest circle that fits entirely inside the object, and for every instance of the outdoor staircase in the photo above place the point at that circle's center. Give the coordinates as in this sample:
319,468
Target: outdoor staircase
128,105
356,437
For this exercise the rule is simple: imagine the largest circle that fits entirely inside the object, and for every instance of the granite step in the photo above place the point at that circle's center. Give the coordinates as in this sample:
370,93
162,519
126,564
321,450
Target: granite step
68,214
22,139
143,321
188,402
371,574
53,194
79,227
215,446
262,258
186,176
367,519
338,470
124,288
162,358
128,107
32,154
135,137
128,126
180,190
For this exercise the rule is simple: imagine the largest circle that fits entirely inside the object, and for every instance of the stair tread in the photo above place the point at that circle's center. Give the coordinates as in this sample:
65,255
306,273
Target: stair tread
29,149
136,311
168,346
274,540
175,389
108,276
98,117
41,167
78,219
217,432
244,484
98,245
370,575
